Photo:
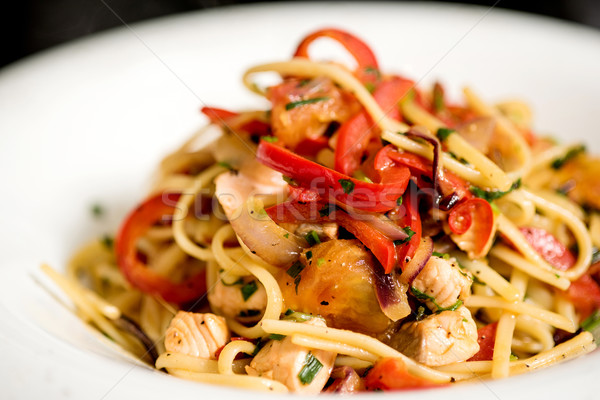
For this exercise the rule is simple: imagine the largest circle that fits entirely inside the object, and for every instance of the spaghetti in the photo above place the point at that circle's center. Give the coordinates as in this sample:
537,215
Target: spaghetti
362,234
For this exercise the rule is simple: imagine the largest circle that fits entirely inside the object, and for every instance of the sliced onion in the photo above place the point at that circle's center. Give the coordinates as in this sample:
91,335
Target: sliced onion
378,221
414,266
391,295
424,134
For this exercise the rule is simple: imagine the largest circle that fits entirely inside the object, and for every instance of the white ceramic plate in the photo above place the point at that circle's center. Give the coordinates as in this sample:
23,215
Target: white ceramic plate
87,122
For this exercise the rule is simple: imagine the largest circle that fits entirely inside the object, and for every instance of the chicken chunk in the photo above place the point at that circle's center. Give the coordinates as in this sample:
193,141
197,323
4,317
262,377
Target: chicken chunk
335,279
301,369
440,339
197,335
326,231
244,300
441,283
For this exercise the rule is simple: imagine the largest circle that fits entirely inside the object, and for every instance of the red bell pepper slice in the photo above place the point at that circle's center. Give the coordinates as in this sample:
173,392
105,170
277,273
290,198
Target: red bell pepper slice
366,196
549,247
380,245
584,293
361,52
486,338
153,210
412,219
220,116
392,374
311,146
354,134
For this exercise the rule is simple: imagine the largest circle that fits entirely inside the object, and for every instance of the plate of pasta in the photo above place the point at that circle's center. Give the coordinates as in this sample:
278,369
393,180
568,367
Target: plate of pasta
357,206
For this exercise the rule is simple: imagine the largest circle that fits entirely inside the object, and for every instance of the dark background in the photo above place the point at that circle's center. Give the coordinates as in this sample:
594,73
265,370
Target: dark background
28,26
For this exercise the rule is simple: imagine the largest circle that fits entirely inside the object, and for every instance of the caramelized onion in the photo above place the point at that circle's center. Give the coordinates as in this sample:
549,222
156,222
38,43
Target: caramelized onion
391,295
414,266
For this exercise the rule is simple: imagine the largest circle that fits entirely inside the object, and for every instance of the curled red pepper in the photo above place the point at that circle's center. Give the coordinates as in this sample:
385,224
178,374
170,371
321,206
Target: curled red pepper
330,184
154,210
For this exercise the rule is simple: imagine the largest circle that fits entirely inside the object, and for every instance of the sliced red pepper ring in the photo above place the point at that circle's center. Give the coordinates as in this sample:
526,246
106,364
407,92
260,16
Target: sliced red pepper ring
548,246
474,224
354,134
221,116
361,52
156,209
330,184
380,245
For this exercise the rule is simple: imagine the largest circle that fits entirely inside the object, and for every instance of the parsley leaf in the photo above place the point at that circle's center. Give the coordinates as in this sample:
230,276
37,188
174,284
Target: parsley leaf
97,210
559,162
492,195
249,289
295,104
312,238
410,234
347,185
311,368
270,139
108,241
443,133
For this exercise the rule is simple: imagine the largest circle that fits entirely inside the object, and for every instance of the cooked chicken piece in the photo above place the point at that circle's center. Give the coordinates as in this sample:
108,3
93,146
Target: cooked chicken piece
439,339
244,300
198,335
301,369
335,279
326,231
441,283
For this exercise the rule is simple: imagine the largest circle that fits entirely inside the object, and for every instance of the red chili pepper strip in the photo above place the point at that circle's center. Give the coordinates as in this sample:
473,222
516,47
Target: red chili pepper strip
217,115
549,247
380,245
411,218
359,49
220,116
374,197
486,338
392,374
311,146
354,134
152,211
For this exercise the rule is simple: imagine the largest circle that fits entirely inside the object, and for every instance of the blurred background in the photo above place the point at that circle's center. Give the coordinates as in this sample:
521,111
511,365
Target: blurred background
29,26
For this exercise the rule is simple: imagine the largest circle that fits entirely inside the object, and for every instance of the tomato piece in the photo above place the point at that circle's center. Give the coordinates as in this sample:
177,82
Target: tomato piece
354,134
584,293
361,52
157,209
304,109
548,246
473,224
392,374
486,338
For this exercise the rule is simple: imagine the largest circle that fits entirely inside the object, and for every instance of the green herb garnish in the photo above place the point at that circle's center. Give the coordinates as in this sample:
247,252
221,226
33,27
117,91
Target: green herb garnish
399,201
410,234
347,185
290,181
295,104
325,211
320,262
443,133
308,255
425,297
370,87
249,289
559,162
494,194
270,139
225,164
312,238
287,235
108,241
445,256
311,368
97,210
276,336
295,269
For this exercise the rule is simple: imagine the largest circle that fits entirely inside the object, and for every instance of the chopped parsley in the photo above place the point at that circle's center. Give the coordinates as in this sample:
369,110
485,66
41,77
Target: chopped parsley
592,322
287,235
370,87
298,103
311,368
240,281
445,256
513,357
298,316
420,313
270,139
425,297
347,185
559,162
410,234
97,210
290,181
275,336
325,211
312,238
308,255
320,262
294,271
399,201
373,71
443,133
494,194
360,175
225,164
108,241
249,289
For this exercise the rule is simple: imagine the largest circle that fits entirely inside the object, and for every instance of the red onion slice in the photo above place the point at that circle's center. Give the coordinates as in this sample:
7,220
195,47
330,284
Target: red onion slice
414,266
